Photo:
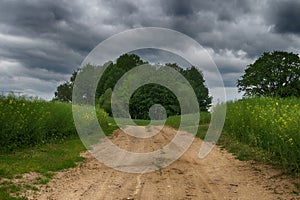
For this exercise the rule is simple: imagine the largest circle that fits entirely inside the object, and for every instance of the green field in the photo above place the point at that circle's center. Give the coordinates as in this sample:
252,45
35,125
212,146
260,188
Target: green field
40,136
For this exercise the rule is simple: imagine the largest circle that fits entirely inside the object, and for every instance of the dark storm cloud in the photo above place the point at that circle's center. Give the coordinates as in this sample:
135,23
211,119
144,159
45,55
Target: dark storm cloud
224,10
285,16
179,8
41,43
54,22
53,37
219,24
34,17
122,13
122,8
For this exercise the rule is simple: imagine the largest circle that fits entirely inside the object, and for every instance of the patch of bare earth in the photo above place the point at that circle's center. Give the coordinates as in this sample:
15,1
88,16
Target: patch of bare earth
218,176
28,178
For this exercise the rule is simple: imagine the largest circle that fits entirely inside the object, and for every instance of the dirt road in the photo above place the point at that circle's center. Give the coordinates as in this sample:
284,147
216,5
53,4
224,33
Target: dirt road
218,176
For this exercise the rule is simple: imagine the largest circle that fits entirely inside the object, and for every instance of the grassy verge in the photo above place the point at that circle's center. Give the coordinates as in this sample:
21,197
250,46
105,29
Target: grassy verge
26,123
44,160
36,136
266,129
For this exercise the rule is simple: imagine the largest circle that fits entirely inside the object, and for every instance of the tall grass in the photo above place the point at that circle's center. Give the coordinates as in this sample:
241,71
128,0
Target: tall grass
271,124
26,123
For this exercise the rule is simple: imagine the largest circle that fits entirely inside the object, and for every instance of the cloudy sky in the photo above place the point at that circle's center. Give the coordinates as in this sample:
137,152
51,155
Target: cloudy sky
42,42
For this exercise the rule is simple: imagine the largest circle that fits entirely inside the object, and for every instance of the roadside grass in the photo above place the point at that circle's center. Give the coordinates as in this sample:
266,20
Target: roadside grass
27,123
124,122
35,136
256,155
44,160
243,122
174,121
243,151
266,130
41,159
7,188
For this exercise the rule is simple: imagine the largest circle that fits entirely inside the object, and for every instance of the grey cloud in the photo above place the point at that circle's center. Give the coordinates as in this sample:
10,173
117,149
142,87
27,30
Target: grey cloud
251,37
122,8
234,25
224,10
231,66
157,56
179,8
122,12
37,53
38,19
53,36
199,23
284,15
32,82
53,21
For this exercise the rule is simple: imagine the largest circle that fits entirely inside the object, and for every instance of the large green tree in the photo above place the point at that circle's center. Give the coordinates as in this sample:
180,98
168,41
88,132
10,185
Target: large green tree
143,98
272,74
146,96
116,70
196,79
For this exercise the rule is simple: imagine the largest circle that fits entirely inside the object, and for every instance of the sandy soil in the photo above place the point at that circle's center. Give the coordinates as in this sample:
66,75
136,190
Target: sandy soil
218,176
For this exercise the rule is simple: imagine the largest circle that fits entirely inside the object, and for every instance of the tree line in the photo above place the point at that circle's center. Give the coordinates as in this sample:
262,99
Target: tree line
273,74
145,96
